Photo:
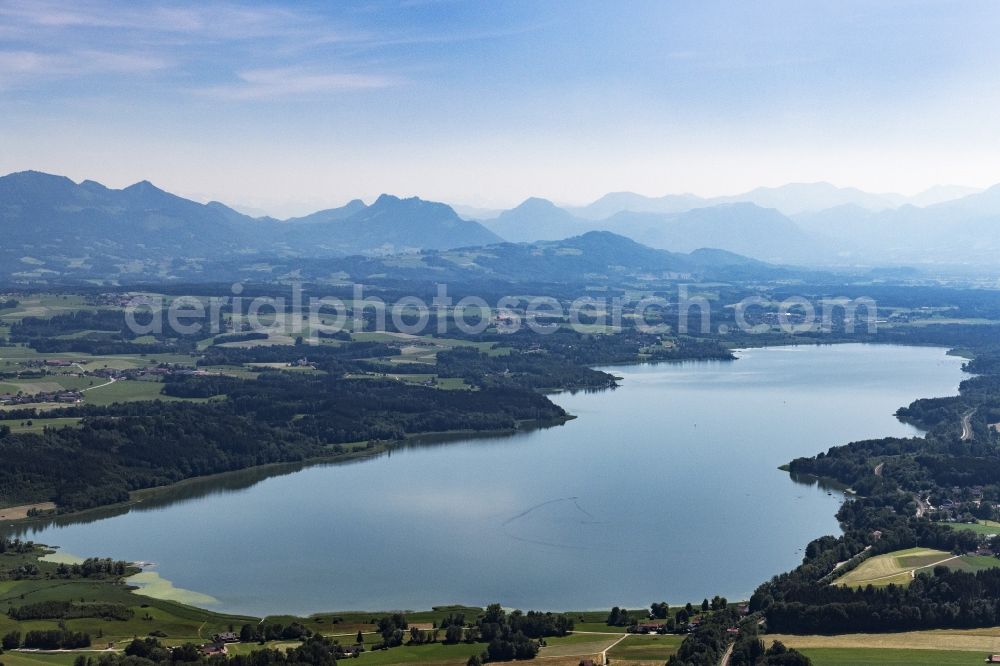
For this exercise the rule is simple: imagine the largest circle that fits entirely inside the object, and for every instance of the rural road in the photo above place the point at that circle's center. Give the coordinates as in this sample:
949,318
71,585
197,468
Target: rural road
91,388
967,425
922,506
725,657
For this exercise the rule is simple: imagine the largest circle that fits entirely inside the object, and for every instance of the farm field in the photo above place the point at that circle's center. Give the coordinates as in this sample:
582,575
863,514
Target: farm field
896,567
900,566
656,649
869,656
979,641
988,527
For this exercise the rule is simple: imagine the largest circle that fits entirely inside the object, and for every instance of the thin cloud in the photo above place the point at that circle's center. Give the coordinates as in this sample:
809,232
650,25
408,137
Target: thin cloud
274,83
25,65
222,20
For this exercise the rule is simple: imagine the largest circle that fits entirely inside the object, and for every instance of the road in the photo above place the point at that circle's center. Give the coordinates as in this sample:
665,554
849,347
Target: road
604,654
967,425
725,657
91,388
922,506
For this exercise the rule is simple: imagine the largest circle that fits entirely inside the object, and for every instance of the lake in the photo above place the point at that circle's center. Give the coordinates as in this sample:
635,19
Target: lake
666,488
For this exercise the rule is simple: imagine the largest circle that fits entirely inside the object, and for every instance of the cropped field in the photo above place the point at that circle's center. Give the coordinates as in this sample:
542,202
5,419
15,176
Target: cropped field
869,656
974,563
896,567
984,640
645,648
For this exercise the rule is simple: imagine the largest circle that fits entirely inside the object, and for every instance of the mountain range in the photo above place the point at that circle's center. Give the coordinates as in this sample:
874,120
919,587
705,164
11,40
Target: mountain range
49,223
54,226
806,224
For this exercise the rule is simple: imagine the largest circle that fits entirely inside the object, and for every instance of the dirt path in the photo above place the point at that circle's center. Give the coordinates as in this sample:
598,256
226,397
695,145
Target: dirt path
604,654
912,572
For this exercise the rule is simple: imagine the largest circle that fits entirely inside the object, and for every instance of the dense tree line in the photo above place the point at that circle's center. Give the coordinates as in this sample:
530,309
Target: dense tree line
54,639
99,347
66,610
239,337
15,545
535,371
750,650
323,356
273,631
31,328
707,643
941,599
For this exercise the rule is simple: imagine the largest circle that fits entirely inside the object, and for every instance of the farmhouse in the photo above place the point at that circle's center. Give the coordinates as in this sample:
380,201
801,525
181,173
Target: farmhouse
212,649
649,628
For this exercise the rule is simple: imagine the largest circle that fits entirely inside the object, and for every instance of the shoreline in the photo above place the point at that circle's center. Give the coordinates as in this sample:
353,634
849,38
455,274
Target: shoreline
138,497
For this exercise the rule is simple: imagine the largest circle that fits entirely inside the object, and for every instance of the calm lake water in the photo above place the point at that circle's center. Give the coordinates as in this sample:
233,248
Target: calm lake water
666,488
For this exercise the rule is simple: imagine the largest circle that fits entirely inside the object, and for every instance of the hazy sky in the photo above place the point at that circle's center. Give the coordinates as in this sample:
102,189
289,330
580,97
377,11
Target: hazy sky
292,106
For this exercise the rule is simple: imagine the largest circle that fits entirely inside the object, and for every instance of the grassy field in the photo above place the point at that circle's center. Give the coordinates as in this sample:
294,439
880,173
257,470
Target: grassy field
181,623
38,659
895,567
46,305
37,425
974,563
129,390
988,527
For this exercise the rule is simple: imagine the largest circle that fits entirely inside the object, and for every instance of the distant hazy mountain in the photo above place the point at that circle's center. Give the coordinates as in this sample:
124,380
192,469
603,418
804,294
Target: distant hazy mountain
616,202
43,214
802,197
790,199
49,225
331,214
476,213
389,225
940,194
536,219
960,231
743,228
